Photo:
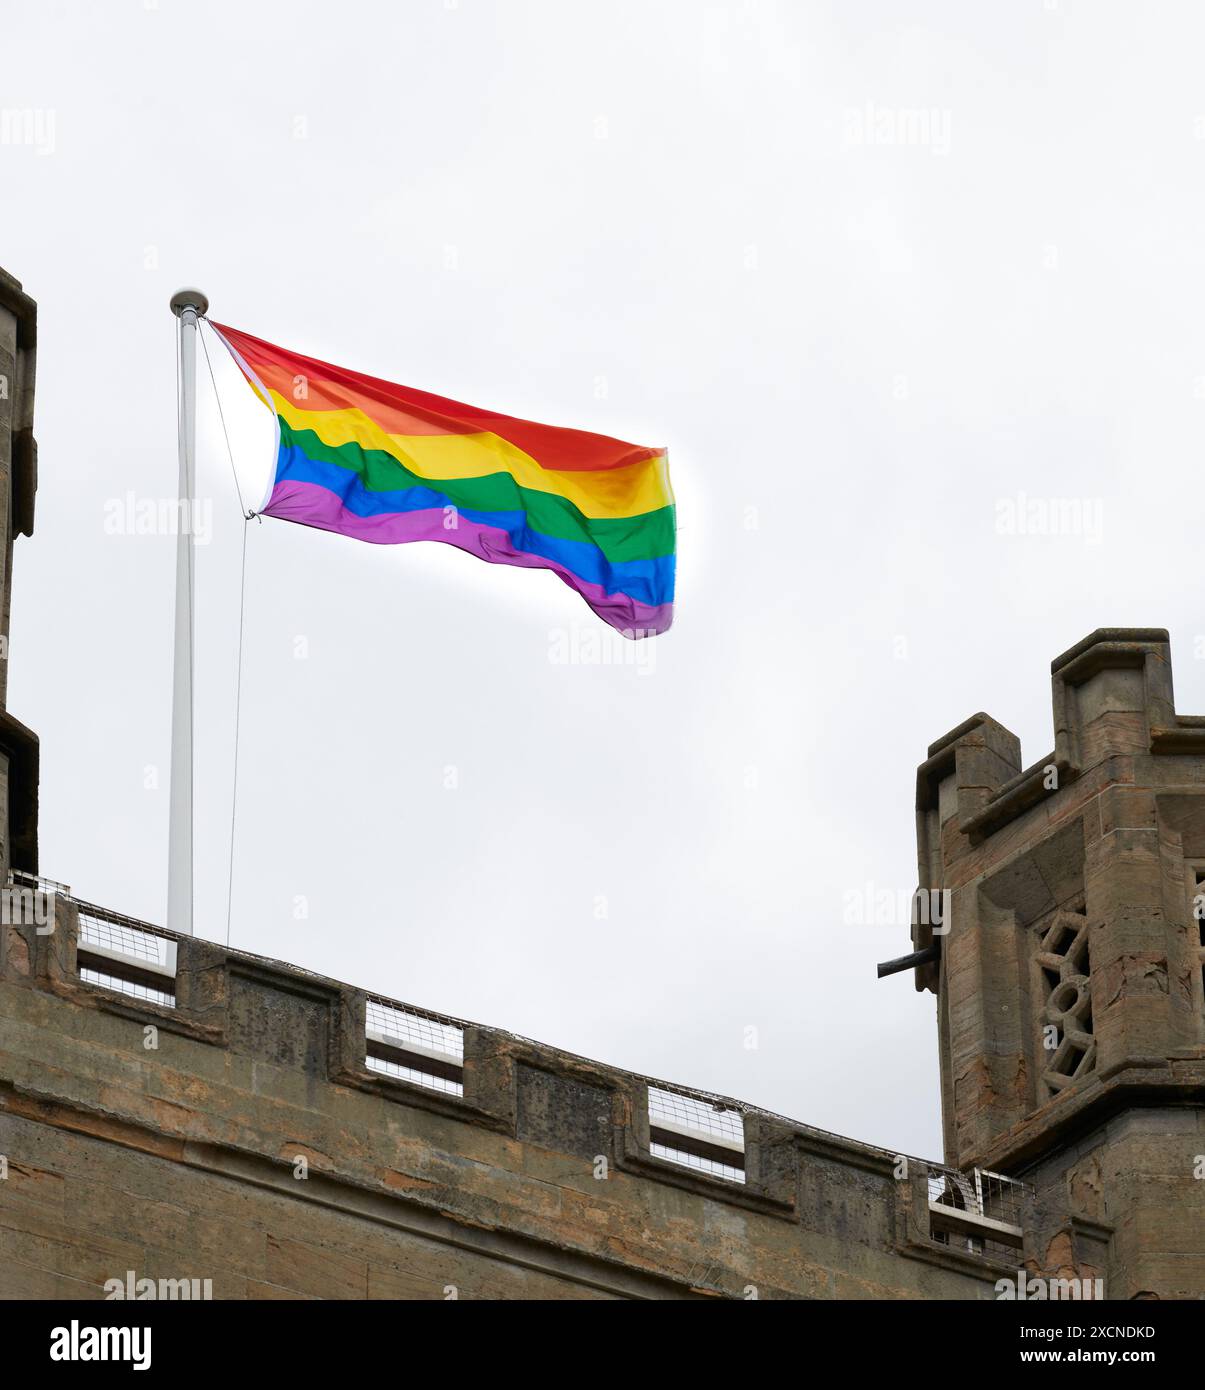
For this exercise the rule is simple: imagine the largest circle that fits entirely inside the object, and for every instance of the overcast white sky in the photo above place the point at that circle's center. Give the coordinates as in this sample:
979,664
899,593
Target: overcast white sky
703,225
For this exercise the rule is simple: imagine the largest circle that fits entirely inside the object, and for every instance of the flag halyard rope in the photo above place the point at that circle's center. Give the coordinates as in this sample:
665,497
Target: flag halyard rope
238,711
248,516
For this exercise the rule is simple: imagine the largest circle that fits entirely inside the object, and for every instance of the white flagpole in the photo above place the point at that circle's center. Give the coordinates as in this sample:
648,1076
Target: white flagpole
186,305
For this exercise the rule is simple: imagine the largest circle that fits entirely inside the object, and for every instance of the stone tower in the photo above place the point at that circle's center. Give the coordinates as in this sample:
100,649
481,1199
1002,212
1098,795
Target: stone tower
1069,978
18,483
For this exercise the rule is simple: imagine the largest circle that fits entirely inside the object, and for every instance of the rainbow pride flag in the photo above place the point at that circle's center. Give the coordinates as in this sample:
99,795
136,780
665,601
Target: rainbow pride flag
389,464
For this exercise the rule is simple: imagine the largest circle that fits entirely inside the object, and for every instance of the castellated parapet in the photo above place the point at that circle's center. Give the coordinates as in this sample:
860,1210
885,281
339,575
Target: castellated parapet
1071,998
287,1136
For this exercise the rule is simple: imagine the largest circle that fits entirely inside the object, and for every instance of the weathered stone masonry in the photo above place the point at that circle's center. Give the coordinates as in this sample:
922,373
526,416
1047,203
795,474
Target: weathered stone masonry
1070,993
180,1160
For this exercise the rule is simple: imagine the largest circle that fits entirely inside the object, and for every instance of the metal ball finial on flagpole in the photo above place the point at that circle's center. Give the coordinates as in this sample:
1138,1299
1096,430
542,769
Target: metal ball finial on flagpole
187,305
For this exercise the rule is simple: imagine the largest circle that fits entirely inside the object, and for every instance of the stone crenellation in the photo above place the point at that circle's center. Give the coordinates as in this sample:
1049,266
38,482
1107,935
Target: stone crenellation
1069,981
541,1179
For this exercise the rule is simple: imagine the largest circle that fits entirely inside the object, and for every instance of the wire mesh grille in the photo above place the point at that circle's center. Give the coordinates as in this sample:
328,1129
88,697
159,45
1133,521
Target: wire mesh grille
387,1067
696,1161
408,1029
979,1195
116,936
725,1126
952,1190
1001,1199
134,988
45,885
706,1125
413,1032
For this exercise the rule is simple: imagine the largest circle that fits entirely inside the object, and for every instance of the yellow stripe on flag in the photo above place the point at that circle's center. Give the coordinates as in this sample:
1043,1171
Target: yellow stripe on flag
617,492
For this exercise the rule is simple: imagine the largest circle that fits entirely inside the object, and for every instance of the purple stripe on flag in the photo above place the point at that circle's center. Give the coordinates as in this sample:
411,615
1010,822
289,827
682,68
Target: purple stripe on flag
311,505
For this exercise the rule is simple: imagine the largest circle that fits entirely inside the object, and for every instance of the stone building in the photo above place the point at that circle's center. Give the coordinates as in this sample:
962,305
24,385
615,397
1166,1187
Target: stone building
171,1110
